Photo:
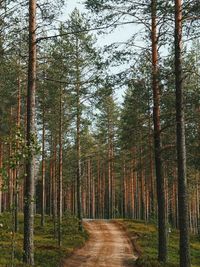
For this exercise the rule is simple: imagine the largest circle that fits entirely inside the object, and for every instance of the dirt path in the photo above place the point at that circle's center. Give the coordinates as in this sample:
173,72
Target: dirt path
108,246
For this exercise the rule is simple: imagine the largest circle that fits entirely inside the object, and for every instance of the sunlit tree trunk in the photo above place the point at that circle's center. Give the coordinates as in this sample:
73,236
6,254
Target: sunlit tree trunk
29,193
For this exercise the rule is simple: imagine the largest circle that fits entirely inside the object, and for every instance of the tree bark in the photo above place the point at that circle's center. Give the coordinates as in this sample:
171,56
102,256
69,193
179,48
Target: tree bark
181,147
16,193
54,187
78,141
162,233
43,165
29,178
60,181
1,182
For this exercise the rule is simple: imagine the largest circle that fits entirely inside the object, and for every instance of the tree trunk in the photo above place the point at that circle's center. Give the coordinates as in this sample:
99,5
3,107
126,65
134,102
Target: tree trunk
43,166
11,172
181,148
162,233
1,182
50,191
109,194
16,193
60,181
78,141
151,174
54,188
29,178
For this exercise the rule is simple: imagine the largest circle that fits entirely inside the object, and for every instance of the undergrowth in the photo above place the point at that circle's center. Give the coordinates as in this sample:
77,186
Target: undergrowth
47,251
146,239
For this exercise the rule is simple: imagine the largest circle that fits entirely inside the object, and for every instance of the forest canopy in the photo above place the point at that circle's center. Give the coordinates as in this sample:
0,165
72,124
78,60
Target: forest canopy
101,132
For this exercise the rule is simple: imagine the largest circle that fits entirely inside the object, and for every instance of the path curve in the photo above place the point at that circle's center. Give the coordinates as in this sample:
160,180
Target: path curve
108,246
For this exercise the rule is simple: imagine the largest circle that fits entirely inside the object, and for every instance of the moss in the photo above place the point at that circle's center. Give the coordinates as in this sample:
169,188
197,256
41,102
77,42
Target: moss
47,252
146,235
152,262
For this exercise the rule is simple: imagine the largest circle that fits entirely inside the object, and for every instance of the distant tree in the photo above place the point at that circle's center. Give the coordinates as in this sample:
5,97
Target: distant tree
82,76
107,124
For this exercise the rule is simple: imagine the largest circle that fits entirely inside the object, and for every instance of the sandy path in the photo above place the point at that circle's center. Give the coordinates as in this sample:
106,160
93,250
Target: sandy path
108,246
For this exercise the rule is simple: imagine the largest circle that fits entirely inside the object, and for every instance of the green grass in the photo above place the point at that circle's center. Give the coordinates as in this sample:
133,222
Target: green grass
47,251
147,242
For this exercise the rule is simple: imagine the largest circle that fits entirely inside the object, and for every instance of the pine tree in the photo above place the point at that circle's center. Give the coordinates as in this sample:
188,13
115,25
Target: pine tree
180,139
162,230
107,123
29,196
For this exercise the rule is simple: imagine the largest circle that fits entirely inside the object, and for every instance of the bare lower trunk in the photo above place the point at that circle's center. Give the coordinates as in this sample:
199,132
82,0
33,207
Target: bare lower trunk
29,178
54,188
78,141
181,148
16,193
43,168
1,164
60,181
162,233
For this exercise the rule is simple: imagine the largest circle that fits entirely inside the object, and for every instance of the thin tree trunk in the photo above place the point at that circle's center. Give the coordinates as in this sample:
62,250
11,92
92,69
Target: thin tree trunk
123,185
112,180
54,188
11,172
78,141
197,207
151,175
16,193
98,189
50,187
1,182
181,147
29,178
162,233
109,182
43,165
60,181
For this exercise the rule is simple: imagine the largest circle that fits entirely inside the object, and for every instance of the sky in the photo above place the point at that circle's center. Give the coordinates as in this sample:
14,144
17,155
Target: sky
71,4
121,34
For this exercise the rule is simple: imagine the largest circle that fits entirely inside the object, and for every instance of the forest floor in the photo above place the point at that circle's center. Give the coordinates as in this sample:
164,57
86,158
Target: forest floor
47,251
123,243
108,246
112,243
144,239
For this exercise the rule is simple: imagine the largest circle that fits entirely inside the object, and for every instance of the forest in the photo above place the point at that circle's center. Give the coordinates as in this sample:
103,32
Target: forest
96,134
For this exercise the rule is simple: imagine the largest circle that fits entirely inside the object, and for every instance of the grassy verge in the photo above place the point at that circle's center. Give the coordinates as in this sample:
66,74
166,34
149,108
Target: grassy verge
47,252
146,238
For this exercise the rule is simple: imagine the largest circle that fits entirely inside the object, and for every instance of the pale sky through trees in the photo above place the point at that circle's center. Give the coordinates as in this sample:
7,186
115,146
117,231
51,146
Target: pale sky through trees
122,34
